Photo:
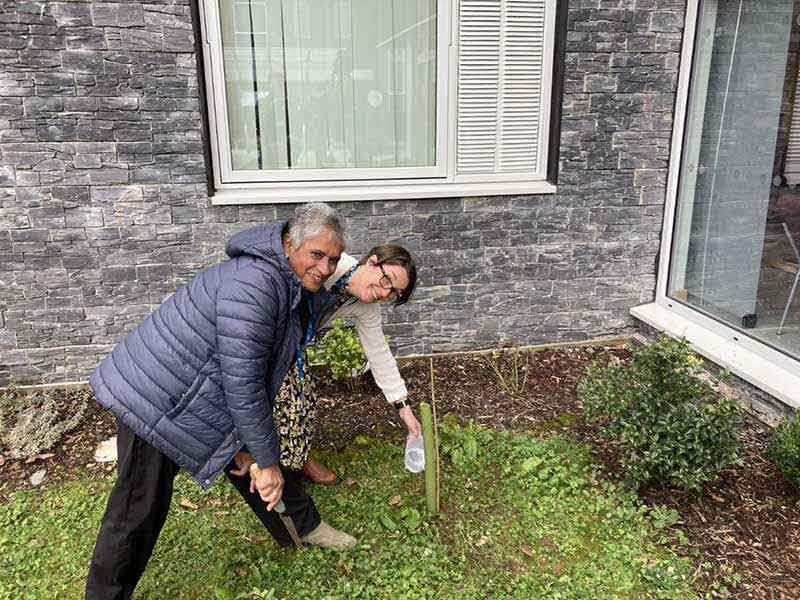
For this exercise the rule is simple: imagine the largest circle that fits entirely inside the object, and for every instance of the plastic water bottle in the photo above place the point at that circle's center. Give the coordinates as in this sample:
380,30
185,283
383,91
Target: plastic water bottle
415,454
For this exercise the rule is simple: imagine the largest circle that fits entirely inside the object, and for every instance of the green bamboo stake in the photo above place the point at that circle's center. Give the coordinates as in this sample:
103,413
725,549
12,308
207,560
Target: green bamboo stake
431,491
436,442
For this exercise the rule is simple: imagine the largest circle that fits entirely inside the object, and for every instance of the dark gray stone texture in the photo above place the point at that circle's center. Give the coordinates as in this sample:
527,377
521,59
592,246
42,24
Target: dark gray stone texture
104,210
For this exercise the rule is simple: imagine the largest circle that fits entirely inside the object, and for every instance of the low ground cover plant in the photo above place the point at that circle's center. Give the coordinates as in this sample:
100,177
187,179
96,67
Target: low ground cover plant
785,449
32,423
672,426
522,518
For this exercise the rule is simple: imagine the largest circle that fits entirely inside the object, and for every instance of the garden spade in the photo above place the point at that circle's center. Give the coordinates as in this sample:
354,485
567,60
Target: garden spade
280,508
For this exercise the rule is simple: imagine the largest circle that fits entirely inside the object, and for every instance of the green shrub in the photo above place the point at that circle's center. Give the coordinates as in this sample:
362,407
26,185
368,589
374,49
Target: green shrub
339,349
672,427
785,449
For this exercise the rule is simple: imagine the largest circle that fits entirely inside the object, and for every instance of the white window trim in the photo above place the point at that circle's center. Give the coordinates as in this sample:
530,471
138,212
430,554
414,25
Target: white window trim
375,184
754,361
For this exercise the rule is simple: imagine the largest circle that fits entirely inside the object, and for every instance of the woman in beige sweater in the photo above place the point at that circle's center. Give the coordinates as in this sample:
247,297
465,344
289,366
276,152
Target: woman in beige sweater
361,287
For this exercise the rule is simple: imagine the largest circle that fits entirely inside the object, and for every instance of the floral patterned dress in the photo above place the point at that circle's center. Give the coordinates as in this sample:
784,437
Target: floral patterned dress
295,406
295,411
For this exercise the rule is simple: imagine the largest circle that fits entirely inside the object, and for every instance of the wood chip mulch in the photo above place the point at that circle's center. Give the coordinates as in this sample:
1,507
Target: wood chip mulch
746,525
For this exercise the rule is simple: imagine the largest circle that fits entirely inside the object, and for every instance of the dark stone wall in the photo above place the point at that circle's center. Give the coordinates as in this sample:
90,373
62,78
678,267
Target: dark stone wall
104,211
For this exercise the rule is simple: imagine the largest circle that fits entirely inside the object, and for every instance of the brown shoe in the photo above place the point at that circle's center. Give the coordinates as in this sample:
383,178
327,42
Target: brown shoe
319,473
326,536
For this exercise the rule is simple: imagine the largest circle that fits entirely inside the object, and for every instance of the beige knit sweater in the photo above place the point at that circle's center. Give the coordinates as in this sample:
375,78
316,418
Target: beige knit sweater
367,319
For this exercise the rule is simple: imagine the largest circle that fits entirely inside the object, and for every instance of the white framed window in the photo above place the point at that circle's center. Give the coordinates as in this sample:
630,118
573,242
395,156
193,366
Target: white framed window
378,99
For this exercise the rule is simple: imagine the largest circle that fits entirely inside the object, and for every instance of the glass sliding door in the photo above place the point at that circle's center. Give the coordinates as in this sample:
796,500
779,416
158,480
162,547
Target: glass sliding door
734,250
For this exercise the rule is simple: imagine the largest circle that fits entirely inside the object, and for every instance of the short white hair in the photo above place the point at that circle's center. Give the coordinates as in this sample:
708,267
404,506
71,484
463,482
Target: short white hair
312,219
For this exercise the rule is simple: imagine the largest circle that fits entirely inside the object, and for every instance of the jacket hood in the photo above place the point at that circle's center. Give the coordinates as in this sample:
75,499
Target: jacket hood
263,242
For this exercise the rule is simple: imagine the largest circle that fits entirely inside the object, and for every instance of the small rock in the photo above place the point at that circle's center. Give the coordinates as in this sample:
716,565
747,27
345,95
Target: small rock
38,477
349,482
395,501
106,451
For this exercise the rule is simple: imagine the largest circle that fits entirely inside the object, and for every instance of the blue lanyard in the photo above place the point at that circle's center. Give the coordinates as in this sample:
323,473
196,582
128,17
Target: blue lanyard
299,354
338,287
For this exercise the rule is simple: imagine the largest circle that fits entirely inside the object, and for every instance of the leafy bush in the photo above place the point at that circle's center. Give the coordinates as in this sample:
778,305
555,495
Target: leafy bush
671,425
38,425
785,449
339,349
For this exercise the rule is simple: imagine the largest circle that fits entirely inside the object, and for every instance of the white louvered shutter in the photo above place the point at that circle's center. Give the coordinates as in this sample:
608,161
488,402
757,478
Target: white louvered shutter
501,104
791,168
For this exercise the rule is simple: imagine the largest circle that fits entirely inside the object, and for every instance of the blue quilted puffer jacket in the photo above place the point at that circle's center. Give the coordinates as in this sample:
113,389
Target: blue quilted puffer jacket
198,377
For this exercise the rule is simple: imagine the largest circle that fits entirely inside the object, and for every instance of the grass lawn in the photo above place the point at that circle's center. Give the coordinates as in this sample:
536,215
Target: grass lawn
521,517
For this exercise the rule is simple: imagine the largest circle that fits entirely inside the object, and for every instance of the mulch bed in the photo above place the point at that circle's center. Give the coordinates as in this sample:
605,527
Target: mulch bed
747,522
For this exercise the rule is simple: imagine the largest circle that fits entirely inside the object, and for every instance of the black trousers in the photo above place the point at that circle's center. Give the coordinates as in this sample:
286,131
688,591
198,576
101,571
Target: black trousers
138,506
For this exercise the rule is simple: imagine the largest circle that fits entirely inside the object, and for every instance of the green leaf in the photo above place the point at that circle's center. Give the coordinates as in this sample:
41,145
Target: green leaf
529,464
388,523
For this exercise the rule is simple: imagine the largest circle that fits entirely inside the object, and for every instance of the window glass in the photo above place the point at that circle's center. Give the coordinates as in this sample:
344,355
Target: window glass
330,84
737,227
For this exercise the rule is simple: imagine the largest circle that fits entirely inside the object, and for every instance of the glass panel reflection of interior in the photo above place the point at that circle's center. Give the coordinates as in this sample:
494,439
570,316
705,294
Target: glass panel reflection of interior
330,84
737,225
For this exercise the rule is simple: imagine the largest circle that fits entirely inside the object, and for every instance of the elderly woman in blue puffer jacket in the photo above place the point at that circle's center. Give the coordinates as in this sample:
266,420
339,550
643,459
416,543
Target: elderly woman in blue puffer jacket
190,392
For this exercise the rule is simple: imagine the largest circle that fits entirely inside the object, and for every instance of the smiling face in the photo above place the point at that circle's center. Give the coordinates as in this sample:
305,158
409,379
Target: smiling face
369,284
315,260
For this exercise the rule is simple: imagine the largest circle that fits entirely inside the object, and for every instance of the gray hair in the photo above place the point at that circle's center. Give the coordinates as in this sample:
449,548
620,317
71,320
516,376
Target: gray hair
312,219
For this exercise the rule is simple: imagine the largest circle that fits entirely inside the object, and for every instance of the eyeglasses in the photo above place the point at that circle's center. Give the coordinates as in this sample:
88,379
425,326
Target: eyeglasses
386,283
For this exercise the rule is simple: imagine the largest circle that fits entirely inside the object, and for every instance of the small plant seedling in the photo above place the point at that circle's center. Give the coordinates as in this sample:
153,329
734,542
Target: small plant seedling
511,373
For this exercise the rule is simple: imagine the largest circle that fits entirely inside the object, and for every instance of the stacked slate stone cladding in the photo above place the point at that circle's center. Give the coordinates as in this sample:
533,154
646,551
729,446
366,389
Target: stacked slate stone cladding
104,209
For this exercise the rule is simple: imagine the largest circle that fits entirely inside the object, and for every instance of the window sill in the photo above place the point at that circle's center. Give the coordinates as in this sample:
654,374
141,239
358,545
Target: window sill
298,193
726,351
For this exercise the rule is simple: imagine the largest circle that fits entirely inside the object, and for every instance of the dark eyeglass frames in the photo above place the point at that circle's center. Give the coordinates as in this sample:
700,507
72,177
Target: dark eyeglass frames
386,283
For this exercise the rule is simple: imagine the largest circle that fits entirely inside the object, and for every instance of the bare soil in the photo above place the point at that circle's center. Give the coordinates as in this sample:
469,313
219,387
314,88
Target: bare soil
747,522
